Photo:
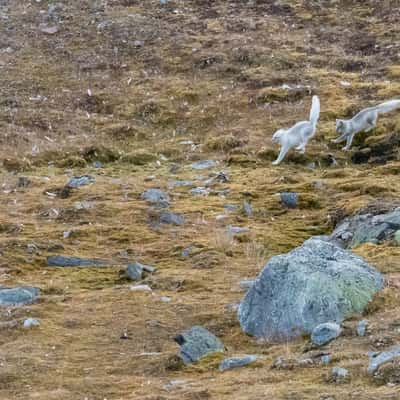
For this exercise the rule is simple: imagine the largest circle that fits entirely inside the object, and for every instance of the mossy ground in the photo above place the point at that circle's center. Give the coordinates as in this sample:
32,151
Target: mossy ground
126,93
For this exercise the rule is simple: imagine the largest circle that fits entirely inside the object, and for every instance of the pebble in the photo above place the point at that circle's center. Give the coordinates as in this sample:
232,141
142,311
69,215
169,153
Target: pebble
203,164
78,181
362,327
325,333
141,288
237,362
289,199
31,322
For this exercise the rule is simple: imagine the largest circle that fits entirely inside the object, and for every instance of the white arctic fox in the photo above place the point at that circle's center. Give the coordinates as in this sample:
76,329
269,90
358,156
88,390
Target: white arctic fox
299,134
365,120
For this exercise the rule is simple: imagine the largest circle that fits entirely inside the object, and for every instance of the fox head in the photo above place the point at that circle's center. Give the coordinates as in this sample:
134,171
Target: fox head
340,125
276,138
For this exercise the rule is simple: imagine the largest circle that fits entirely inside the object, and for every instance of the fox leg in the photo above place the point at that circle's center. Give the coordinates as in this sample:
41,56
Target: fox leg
282,154
349,142
340,139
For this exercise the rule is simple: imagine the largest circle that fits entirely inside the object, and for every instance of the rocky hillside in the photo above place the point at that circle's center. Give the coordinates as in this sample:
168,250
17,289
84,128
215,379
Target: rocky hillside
103,101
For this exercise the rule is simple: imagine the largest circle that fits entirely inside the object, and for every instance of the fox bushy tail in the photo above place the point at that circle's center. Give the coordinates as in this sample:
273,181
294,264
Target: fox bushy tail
388,106
315,110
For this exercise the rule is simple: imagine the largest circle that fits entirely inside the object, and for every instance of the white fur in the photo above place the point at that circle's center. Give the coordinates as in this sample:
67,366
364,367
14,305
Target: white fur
365,120
299,134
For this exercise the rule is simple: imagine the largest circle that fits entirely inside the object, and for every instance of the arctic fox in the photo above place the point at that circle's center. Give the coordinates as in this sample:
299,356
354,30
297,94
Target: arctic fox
299,134
365,120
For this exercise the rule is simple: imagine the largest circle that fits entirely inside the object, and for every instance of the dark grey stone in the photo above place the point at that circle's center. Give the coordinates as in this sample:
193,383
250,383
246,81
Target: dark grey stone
325,333
289,199
18,296
172,218
196,343
78,181
23,182
156,197
62,261
315,283
367,228
237,362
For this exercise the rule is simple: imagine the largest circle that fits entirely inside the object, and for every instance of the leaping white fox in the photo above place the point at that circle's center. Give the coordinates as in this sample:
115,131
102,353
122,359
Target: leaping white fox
365,120
299,134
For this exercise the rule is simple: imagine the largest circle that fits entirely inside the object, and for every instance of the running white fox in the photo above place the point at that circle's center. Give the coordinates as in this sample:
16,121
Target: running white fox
299,134
365,120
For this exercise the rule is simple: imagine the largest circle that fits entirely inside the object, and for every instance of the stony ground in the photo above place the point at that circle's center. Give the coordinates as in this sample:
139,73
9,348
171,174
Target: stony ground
132,93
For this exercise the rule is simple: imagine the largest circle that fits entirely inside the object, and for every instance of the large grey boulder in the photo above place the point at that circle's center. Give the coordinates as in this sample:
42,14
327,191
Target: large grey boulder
315,283
377,360
367,228
18,296
196,343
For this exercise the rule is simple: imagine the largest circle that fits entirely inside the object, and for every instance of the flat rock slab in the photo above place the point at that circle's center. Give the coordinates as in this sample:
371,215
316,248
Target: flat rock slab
62,261
199,165
78,181
196,343
315,283
18,296
376,360
367,228
237,362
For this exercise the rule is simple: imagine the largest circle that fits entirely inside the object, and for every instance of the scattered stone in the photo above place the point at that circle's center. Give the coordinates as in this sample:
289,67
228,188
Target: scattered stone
231,207
196,343
177,382
18,296
289,199
222,177
326,359
174,168
50,30
362,327
315,283
367,228
165,299
83,205
378,360
325,333
97,164
31,322
237,362
236,230
62,261
200,191
232,307
203,164
247,209
135,270
172,218
339,375
23,182
78,181
156,197
141,288
181,183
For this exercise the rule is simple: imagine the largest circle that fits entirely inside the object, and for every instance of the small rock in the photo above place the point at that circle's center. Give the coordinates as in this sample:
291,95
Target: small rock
18,296
156,197
326,359
171,218
237,362
339,375
23,182
376,360
231,207
362,327
236,230
165,299
200,191
31,322
83,205
141,288
50,30
203,164
78,181
177,382
134,271
325,333
97,164
232,307
181,183
247,209
196,343
289,199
